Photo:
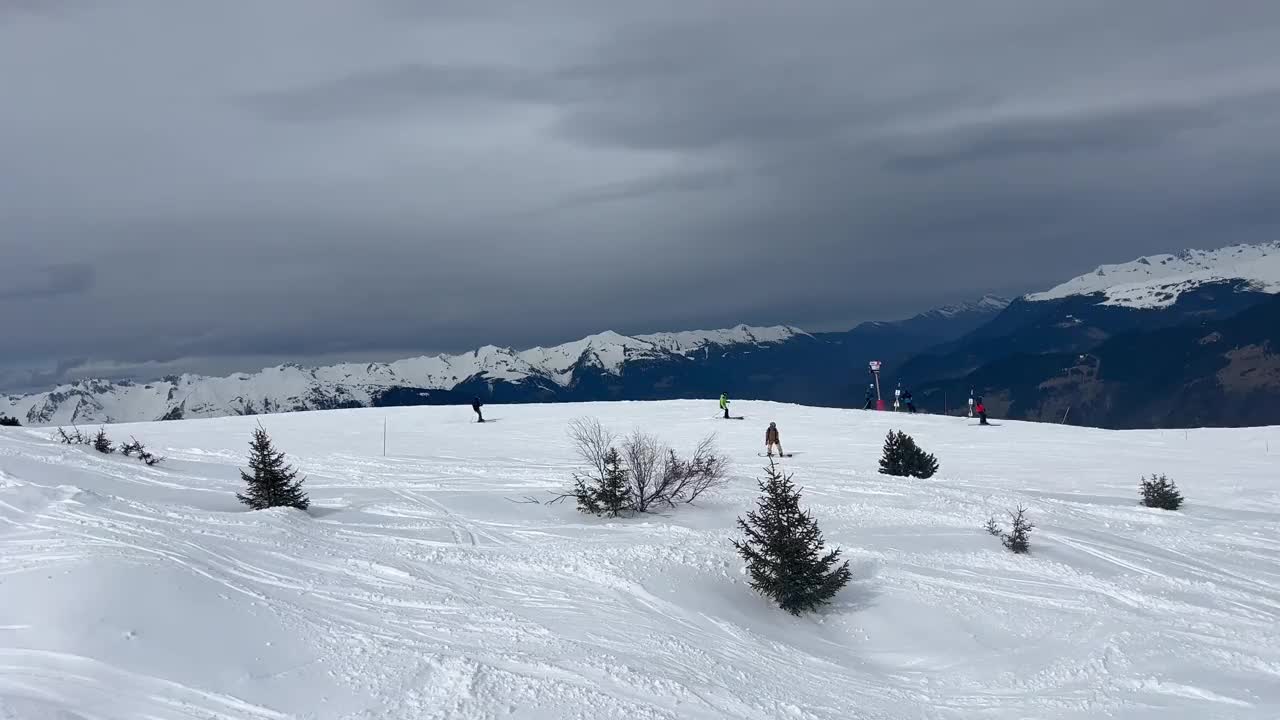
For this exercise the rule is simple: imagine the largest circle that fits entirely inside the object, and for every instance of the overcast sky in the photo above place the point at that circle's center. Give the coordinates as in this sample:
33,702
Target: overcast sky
213,186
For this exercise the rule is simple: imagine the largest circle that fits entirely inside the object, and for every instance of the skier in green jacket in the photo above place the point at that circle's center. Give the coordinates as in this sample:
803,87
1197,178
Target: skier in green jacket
724,405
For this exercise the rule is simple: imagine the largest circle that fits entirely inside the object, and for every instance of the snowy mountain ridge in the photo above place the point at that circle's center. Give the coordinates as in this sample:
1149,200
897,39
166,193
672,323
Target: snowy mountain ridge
1156,281
292,387
987,303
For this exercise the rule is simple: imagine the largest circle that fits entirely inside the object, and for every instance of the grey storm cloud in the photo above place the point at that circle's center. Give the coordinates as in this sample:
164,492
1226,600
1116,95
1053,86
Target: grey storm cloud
209,186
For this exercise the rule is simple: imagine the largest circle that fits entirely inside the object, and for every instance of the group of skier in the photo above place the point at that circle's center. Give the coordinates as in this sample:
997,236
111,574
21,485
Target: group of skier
772,438
901,399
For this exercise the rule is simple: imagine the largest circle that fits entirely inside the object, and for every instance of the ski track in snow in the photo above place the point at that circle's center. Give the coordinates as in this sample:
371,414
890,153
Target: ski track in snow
419,585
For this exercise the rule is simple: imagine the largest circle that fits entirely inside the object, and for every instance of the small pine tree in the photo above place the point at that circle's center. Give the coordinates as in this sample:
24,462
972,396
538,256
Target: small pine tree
921,464
614,492
1019,536
273,483
131,447
609,494
1160,492
902,457
993,527
783,549
103,444
6,421
893,461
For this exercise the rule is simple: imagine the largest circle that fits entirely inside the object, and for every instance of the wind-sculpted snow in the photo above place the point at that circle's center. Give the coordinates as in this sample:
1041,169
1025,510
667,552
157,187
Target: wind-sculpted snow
1158,280
423,584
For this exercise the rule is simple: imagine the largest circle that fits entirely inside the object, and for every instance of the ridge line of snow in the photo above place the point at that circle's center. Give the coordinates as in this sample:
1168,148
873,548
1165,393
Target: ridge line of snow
1156,281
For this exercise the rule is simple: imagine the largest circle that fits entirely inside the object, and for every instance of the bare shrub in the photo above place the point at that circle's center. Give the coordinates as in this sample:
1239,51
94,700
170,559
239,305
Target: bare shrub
685,480
643,455
653,474
592,442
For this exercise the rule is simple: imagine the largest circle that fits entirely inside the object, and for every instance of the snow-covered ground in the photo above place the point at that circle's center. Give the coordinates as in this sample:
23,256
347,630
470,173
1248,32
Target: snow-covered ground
419,586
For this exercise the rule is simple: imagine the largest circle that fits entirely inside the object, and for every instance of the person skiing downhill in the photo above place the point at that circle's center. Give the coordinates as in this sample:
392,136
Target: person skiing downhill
982,412
871,397
724,404
771,438
476,405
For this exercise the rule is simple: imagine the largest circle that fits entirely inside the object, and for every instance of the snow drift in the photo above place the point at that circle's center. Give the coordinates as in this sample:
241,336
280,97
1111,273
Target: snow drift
421,584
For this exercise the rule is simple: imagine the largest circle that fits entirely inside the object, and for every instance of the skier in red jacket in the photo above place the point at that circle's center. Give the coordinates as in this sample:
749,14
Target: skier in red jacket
982,412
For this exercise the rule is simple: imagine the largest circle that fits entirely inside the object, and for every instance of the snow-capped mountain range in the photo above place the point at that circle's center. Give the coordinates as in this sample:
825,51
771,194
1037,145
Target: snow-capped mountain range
1157,281
293,387
779,362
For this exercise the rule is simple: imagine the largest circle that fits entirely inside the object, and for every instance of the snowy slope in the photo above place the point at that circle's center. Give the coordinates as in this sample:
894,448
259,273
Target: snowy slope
418,586
292,387
1157,280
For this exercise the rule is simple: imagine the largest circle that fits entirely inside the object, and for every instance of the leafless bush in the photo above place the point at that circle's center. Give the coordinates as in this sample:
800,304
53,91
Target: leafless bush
642,454
685,480
592,443
655,476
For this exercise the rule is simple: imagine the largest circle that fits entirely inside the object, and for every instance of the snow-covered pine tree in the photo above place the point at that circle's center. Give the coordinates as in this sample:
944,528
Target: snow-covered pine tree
102,443
273,483
1160,492
783,549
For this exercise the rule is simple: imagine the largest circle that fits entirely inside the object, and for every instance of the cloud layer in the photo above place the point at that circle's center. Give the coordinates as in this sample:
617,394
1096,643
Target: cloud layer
208,185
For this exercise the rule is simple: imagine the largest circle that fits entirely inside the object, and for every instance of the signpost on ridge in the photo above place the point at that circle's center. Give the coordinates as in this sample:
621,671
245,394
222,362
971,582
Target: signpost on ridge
875,373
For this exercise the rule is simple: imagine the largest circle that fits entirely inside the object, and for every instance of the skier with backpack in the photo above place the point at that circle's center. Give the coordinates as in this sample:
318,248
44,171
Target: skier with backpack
476,405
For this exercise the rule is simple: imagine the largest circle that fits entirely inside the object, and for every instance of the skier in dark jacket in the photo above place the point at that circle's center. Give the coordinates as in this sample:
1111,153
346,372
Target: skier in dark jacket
906,398
476,405
982,412
871,397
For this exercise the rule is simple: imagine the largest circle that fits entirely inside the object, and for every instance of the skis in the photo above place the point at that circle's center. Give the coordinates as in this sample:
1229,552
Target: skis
781,456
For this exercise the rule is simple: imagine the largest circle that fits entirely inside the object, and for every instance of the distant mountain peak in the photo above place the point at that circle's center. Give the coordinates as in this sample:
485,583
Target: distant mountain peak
985,304
1156,281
